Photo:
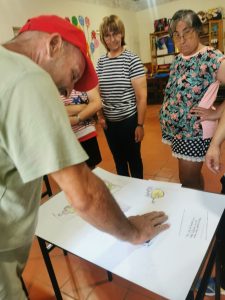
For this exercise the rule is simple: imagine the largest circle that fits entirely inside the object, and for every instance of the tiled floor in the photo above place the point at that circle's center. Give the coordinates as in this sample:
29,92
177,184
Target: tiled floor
81,280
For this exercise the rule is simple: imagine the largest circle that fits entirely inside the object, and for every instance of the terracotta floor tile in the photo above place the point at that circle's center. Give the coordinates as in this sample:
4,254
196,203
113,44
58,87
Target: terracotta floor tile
61,270
108,291
121,281
84,280
39,291
161,178
135,291
166,172
175,178
81,280
36,268
131,295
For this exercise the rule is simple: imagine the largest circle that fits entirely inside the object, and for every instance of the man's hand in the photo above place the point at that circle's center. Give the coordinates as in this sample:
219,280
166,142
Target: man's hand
148,226
92,200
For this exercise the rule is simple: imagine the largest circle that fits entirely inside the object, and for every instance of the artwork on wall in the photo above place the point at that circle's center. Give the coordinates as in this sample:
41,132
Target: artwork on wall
84,23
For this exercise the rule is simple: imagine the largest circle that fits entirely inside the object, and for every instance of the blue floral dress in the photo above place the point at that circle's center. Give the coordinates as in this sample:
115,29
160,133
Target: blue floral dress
190,77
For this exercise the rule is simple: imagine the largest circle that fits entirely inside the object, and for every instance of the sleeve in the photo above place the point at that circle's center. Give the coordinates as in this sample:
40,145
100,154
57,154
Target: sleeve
98,66
39,139
136,67
213,61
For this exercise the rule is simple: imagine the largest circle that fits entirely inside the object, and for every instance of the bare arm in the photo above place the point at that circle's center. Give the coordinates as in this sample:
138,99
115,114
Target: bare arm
208,113
85,111
221,72
140,88
213,154
94,203
74,109
101,117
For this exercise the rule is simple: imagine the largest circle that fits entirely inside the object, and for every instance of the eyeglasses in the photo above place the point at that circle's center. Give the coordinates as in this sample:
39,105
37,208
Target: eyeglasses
187,33
114,35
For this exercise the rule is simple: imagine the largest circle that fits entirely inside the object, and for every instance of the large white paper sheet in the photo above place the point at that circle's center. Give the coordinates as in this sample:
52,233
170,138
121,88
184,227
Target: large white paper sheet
169,263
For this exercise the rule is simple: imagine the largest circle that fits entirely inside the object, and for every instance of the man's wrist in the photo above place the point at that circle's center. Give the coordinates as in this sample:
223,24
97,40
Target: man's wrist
140,125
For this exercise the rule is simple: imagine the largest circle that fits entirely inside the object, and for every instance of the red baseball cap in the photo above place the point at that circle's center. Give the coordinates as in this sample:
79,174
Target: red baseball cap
70,33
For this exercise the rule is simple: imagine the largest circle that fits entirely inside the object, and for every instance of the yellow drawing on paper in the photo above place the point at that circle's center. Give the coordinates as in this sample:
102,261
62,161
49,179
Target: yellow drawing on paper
112,187
156,194
66,213
68,209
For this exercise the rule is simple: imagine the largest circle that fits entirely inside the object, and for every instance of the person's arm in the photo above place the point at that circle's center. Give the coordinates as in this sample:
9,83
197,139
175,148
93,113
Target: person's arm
101,119
100,116
140,88
93,202
74,109
81,112
212,158
211,113
221,72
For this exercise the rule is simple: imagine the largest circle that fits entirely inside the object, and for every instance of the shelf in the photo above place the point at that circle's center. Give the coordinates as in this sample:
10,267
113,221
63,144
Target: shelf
156,33
204,35
163,55
213,30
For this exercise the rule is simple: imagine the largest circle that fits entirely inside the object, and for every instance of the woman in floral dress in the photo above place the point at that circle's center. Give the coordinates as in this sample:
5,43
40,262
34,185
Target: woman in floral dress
195,75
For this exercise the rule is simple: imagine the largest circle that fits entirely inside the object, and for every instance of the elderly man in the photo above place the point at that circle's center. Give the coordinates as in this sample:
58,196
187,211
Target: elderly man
36,139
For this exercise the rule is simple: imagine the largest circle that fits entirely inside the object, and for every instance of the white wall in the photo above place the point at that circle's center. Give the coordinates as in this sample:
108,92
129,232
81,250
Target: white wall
138,24
145,19
14,13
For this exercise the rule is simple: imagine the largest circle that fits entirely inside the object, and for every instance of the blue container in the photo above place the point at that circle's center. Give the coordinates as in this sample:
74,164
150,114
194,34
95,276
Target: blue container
170,45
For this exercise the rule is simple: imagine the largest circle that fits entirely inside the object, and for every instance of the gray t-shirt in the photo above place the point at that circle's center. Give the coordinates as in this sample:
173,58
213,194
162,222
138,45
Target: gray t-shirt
35,139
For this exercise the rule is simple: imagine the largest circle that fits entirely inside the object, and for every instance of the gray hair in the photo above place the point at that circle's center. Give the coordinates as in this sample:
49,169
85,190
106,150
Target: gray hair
189,17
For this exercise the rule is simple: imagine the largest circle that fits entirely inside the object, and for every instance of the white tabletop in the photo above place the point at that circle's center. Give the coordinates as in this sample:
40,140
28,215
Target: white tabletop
169,263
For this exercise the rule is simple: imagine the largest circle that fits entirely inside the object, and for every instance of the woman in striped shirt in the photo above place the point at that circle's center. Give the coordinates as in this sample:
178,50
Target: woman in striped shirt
123,90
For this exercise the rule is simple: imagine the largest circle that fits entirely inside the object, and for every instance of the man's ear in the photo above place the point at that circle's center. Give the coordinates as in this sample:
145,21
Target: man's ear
55,44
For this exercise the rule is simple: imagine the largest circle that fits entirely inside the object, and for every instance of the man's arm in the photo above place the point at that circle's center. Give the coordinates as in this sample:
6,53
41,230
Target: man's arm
92,200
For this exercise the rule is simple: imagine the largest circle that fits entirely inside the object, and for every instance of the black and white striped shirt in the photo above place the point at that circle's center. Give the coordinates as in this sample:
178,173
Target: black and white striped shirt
115,76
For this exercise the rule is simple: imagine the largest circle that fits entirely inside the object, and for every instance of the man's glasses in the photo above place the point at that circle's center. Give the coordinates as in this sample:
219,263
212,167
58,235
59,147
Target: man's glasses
186,34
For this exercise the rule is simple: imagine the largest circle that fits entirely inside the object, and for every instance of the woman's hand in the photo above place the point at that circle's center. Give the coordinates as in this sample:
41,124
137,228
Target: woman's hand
102,122
205,113
212,158
139,134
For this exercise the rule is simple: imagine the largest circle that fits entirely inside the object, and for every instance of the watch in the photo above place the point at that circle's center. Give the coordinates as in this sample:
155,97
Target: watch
140,125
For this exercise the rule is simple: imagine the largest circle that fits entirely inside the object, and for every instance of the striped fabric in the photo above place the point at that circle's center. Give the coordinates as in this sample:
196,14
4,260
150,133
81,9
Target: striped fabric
115,76
86,129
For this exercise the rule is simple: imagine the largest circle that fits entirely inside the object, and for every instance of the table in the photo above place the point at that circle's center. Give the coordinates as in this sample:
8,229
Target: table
173,259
